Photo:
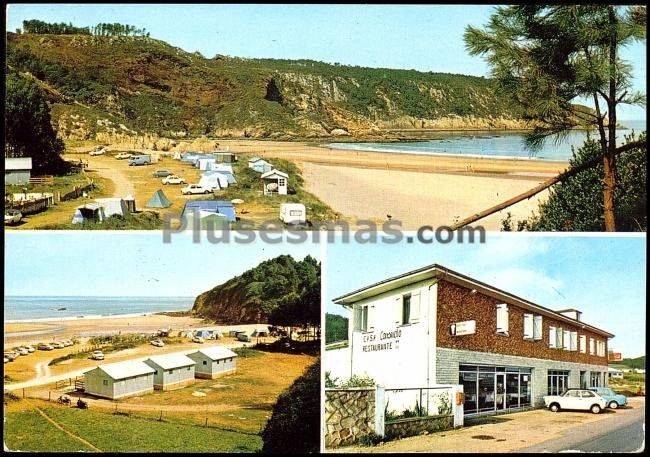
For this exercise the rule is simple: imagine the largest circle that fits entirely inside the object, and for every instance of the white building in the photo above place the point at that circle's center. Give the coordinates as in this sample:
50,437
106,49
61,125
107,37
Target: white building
275,182
214,361
118,380
435,326
17,170
172,371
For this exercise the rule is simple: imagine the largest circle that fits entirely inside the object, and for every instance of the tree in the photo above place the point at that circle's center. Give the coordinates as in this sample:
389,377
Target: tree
295,423
576,205
28,130
549,58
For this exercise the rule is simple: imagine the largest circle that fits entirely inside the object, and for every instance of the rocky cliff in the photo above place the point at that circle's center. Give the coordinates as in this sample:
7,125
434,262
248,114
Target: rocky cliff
137,87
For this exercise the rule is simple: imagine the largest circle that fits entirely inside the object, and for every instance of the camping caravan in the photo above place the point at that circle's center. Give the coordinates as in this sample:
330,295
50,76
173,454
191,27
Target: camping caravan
90,212
225,157
293,213
158,200
275,182
113,206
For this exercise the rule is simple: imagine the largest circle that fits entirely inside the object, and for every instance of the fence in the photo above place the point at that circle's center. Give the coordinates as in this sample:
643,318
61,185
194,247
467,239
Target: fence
76,192
31,206
45,179
354,413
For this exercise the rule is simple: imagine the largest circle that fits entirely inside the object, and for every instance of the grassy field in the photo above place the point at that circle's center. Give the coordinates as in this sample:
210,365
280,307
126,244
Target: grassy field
631,384
27,430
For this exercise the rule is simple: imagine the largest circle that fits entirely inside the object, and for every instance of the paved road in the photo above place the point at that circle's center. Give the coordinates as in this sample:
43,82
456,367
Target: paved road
620,433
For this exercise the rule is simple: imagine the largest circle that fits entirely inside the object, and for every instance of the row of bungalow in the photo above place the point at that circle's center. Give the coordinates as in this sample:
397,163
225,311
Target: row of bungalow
162,372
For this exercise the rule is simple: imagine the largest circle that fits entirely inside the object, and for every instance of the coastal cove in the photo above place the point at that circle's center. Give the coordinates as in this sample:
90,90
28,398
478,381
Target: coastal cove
495,144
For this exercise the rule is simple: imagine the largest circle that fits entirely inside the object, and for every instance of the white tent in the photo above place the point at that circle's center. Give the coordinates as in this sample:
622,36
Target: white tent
205,163
212,180
113,206
220,167
88,212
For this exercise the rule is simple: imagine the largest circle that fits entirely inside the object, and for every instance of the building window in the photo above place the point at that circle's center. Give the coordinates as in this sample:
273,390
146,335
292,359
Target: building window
552,337
558,381
489,388
205,362
567,340
537,328
594,379
105,382
528,326
188,369
559,338
281,182
574,341
406,309
592,349
170,371
360,318
502,319
583,344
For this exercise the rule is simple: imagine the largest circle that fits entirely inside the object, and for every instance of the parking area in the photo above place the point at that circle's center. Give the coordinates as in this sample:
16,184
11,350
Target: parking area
514,432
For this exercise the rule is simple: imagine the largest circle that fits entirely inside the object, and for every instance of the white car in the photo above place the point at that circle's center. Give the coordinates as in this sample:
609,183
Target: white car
97,151
67,343
57,345
579,399
97,355
21,351
29,348
123,155
195,189
197,339
12,216
158,343
173,179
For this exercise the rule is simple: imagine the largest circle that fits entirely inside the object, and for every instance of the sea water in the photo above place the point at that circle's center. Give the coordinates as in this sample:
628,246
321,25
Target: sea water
493,144
50,308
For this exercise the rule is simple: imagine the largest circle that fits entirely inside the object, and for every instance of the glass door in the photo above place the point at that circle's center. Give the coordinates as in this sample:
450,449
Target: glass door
512,390
500,391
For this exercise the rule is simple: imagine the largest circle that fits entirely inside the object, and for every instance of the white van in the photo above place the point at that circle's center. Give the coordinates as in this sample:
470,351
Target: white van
293,213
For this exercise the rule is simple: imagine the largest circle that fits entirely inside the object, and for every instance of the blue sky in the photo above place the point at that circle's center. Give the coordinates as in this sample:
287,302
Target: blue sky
128,264
602,276
421,37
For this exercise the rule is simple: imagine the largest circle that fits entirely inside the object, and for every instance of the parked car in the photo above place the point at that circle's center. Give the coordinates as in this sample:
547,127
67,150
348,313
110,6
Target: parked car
29,348
142,159
162,173
195,189
197,339
97,355
10,355
173,179
67,343
97,151
7,360
578,399
613,399
243,336
123,155
57,345
45,347
21,350
12,216
158,343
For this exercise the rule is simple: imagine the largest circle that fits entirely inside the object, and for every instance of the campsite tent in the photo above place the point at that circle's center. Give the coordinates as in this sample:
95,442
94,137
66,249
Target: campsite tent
206,220
89,212
221,207
229,176
158,200
204,163
113,206
213,180
213,166
261,166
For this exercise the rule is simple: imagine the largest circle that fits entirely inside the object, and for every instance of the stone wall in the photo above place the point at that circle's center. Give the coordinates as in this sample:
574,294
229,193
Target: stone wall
349,415
417,426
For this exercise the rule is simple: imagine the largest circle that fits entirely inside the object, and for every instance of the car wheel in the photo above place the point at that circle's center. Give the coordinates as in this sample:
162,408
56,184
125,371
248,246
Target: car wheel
595,409
206,192
554,407
613,405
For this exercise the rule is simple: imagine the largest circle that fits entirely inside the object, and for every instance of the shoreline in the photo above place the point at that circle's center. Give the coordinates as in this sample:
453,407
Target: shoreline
88,317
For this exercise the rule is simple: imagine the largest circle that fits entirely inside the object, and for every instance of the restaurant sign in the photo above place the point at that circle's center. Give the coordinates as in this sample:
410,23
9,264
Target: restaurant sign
463,328
381,340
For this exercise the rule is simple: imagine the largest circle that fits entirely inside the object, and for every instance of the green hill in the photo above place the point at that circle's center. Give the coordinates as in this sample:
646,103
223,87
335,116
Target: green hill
638,362
336,328
135,85
280,291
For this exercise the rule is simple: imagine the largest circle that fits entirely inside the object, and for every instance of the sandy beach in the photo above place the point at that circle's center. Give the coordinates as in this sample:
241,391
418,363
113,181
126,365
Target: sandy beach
56,329
412,188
